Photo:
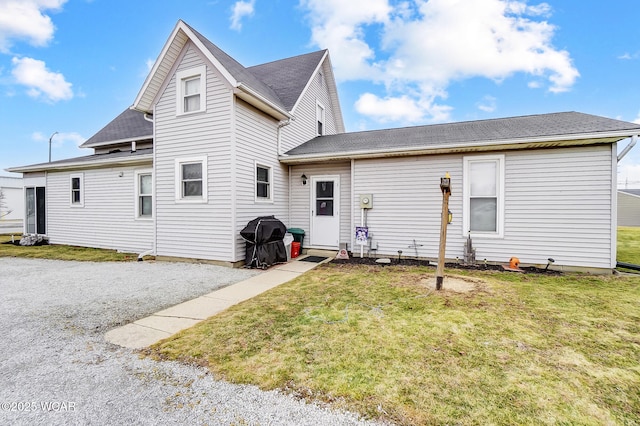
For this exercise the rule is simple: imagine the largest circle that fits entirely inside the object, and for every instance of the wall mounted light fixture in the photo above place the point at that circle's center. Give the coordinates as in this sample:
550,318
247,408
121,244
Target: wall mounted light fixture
304,179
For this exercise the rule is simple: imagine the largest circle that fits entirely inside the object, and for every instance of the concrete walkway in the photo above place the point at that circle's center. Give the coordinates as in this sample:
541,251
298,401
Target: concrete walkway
147,331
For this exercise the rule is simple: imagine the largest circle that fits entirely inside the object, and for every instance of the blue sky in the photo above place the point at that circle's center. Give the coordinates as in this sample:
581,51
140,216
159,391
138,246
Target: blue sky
71,66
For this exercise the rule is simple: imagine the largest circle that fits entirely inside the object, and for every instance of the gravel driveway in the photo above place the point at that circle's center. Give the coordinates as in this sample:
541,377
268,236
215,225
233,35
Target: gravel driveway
56,368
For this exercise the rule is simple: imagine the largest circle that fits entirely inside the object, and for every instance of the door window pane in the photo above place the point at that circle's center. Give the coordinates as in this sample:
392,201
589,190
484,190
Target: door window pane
324,189
41,225
324,207
30,205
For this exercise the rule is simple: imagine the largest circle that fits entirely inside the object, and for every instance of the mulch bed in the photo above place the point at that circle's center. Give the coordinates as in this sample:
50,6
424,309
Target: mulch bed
418,262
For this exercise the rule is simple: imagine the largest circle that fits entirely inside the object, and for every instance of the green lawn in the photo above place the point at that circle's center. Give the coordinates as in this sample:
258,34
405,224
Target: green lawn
520,349
629,244
62,252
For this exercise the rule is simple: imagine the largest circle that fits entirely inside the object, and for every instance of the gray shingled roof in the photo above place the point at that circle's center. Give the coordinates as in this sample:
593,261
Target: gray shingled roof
130,125
114,157
560,124
238,71
630,191
288,77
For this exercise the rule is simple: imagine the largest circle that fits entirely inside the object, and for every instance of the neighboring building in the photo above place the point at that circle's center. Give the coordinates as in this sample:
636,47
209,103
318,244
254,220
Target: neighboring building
629,207
209,145
12,205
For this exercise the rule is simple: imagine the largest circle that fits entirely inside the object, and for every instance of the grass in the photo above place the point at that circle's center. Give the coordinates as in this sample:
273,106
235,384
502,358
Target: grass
521,349
62,252
629,244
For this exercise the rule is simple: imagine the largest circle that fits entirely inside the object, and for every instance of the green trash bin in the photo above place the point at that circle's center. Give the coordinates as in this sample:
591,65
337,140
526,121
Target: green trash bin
298,235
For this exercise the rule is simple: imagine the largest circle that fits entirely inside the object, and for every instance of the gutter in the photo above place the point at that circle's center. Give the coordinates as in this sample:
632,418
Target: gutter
145,158
628,148
270,105
475,146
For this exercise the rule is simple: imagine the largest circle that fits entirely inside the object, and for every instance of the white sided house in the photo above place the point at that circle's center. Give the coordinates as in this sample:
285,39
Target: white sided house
11,205
209,144
629,207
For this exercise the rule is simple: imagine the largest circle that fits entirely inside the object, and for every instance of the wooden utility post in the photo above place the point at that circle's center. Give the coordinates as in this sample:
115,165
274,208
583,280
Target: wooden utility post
445,187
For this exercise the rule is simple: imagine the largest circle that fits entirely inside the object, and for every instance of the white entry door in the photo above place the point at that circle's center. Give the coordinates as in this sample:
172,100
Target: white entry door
325,211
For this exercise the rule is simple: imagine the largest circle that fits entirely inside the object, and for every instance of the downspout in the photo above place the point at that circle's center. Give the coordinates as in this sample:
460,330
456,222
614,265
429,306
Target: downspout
154,192
628,148
279,136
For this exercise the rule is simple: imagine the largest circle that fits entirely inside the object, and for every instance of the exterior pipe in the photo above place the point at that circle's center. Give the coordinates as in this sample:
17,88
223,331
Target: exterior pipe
624,152
144,253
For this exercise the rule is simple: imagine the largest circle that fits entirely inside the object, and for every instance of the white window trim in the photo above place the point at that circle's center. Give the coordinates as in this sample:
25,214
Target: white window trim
81,177
466,217
181,76
137,194
269,199
178,179
322,119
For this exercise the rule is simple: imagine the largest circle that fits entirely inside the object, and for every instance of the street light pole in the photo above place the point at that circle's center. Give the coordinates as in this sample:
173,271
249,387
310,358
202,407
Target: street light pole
51,137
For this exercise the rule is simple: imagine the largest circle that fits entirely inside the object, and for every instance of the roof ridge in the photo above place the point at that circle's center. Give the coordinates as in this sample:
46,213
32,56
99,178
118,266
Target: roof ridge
289,58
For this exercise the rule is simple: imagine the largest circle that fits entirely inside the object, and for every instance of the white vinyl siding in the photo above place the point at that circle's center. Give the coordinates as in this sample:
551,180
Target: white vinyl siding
628,209
256,145
200,230
557,203
108,219
301,196
305,125
407,203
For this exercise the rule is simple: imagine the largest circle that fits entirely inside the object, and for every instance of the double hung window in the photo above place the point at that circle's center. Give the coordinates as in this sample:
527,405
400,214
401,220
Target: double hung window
484,195
191,179
191,90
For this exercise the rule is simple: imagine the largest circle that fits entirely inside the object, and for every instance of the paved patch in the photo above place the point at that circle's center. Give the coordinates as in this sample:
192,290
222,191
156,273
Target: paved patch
57,368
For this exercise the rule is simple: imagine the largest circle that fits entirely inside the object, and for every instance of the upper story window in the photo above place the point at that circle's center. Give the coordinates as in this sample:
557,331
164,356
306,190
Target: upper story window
320,119
144,194
484,195
263,183
77,190
191,90
191,179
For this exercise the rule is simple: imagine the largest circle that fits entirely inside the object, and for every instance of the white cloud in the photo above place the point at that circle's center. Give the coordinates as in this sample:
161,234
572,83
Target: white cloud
629,56
41,82
240,10
26,20
418,48
59,139
340,25
487,104
402,109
